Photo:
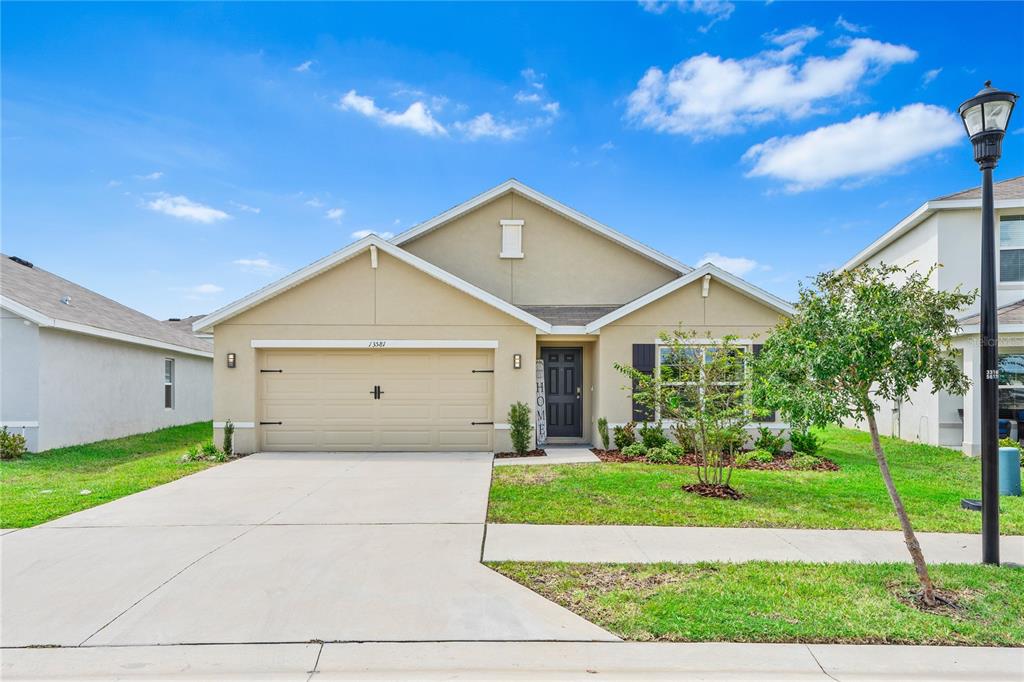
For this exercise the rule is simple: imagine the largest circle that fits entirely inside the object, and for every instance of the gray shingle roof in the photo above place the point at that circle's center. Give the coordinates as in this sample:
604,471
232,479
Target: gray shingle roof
42,291
1011,313
183,323
573,315
1006,189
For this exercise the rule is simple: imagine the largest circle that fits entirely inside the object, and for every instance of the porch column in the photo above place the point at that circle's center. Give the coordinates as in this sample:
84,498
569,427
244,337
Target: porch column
972,399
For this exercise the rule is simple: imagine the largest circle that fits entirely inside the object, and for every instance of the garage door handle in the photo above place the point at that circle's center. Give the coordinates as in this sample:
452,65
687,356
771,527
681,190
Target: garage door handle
270,371
483,371
478,423
269,423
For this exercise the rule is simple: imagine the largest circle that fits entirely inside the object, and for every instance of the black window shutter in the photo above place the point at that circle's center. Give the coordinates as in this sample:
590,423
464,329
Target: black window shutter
770,416
643,361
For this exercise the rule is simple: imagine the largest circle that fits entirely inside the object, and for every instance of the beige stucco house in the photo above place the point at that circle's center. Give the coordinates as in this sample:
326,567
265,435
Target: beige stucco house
424,341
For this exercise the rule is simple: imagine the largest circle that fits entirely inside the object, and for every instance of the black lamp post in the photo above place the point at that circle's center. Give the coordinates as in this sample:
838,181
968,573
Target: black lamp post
985,117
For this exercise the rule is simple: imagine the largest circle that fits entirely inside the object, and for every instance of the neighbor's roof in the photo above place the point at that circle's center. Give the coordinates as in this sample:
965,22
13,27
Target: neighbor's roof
1007,194
1006,189
571,214
1011,313
36,295
183,323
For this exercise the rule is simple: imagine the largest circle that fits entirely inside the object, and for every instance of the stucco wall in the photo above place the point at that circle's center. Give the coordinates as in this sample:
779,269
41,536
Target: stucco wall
354,301
91,389
19,376
564,263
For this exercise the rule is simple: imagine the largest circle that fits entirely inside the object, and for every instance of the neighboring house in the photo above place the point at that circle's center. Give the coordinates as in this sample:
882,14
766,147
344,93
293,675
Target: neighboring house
424,341
76,367
946,231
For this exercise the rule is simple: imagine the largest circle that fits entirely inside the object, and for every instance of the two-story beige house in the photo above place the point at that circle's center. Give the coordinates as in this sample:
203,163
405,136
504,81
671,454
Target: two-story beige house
423,342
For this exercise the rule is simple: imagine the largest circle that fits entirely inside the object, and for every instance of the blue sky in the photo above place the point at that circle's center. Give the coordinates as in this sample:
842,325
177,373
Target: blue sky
175,157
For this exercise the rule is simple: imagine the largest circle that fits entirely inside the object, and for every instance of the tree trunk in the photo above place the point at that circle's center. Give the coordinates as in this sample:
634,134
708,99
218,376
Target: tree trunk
913,546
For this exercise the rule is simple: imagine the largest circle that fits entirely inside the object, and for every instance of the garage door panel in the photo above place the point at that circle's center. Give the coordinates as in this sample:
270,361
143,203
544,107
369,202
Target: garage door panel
324,400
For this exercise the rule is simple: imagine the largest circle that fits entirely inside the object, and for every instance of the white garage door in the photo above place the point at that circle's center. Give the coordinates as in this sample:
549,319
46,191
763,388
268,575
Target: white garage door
328,400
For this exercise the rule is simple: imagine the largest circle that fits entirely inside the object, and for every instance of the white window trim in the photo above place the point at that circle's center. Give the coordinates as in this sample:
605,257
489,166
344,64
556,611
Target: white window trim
171,383
511,239
748,351
1012,283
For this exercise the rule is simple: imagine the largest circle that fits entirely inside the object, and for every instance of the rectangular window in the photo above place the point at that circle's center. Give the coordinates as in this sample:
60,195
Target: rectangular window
1011,385
675,370
1011,248
169,383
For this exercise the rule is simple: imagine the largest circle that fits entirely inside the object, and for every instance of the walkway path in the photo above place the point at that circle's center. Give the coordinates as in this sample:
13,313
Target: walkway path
649,544
555,454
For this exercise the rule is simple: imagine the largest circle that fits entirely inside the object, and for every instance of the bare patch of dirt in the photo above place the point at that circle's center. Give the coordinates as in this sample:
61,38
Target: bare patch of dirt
513,455
533,475
947,602
721,491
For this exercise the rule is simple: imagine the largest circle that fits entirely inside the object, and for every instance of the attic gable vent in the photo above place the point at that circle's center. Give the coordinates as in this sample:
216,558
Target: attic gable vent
511,239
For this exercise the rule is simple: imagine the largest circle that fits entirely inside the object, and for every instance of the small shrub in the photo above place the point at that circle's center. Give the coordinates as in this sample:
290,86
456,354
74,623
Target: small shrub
685,436
762,456
193,454
634,451
662,456
602,430
766,440
804,462
625,435
675,449
209,449
804,442
12,445
652,435
229,438
519,427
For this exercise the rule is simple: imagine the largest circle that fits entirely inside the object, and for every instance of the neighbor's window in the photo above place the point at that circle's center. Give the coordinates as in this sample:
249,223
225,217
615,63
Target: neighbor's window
1011,248
1011,384
169,383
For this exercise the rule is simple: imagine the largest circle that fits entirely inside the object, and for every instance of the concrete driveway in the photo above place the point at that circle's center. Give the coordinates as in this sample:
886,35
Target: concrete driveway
278,548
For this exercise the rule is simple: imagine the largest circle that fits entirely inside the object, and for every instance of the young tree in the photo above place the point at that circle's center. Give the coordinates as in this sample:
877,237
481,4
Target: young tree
701,386
874,332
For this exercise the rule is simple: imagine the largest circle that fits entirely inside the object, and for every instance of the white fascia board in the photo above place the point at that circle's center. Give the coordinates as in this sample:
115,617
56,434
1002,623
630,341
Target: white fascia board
373,344
551,204
1003,329
207,323
89,330
569,329
925,211
729,279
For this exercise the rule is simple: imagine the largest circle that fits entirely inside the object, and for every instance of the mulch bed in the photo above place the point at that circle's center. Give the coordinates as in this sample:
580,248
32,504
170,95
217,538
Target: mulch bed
780,463
512,455
721,491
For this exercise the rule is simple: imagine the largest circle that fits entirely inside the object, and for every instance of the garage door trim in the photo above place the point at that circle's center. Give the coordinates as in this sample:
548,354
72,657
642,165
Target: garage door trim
374,343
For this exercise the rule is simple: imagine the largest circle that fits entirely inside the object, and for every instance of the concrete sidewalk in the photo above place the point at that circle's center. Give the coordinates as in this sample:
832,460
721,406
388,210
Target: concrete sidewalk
516,660
648,544
554,454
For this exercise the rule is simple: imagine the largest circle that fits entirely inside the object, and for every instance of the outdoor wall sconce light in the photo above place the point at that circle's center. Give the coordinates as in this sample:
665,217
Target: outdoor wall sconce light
517,361
231,360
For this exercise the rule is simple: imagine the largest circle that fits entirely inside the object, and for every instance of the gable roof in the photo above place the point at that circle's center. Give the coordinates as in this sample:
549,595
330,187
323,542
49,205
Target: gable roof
38,295
350,251
1007,194
770,300
513,185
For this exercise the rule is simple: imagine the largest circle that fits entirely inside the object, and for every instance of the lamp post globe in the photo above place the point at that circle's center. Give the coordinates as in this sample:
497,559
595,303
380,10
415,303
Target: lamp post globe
985,117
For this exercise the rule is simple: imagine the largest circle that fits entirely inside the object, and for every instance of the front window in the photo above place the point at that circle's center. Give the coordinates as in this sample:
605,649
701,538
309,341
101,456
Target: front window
681,372
168,383
1011,249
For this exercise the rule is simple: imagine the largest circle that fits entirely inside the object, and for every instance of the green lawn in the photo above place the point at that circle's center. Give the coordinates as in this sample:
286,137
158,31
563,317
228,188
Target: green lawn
109,469
783,602
932,481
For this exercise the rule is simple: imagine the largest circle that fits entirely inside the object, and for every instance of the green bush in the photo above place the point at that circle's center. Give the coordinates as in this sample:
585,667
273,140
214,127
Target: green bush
804,462
624,436
662,456
652,435
685,435
767,440
229,438
804,442
762,456
12,445
602,430
675,449
519,427
193,454
634,451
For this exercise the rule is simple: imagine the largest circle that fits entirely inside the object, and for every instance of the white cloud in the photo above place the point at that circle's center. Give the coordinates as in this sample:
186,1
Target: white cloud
114,183
929,76
183,207
717,10
849,26
260,265
246,207
707,95
855,150
802,34
655,6
607,146
305,66
335,214
314,202
485,125
416,117
553,108
360,234
534,79
155,175
523,97
202,290
737,265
